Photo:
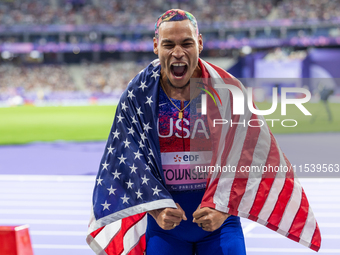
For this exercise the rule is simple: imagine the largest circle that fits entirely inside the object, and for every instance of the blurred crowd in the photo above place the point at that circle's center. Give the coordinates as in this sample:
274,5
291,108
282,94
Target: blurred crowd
308,9
41,81
141,12
19,79
107,77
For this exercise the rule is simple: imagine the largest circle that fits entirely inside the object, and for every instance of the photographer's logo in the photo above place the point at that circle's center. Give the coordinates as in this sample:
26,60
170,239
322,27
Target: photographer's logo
204,97
238,100
238,103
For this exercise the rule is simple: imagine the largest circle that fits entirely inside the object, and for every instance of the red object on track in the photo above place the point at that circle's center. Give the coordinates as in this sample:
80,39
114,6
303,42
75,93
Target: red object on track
15,240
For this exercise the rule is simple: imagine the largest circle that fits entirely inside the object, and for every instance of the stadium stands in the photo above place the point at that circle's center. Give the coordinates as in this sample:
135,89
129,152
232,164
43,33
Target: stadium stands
91,46
119,12
46,82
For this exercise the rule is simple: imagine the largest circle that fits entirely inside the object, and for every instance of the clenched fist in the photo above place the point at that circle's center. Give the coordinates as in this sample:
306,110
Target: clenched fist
209,219
168,218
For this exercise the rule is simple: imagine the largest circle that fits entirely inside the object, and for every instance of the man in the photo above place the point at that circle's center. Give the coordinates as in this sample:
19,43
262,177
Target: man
148,197
178,45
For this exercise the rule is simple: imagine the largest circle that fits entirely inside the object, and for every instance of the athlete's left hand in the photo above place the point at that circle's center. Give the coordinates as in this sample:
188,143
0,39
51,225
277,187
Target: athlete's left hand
209,219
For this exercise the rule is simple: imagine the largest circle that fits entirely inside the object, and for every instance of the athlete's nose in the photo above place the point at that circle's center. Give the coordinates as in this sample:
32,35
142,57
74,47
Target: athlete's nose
178,52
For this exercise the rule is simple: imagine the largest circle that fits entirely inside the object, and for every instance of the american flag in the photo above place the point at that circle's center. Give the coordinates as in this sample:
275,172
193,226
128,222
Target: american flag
130,181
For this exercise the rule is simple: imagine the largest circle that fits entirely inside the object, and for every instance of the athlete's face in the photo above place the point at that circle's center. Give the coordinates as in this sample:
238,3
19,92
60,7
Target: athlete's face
178,48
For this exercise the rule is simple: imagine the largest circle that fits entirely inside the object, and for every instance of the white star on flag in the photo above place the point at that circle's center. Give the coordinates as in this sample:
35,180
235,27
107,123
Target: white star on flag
156,190
139,194
105,165
116,175
154,74
142,136
131,95
151,153
116,134
131,131
106,205
145,180
124,106
122,159
112,190
147,127
137,154
129,184
149,100
126,143
99,181
147,167
143,86
125,199
134,121
120,118
141,145
133,168
139,112
110,149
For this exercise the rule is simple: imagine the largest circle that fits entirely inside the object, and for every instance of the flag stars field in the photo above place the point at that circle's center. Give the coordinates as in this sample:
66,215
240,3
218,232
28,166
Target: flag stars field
99,181
143,86
126,143
142,136
149,160
121,159
149,100
116,175
131,95
137,154
139,111
145,180
106,206
156,190
141,145
133,168
111,190
125,199
120,118
116,134
105,165
131,131
139,194
155,74
134,121
147,127
124,106
129,183
110,149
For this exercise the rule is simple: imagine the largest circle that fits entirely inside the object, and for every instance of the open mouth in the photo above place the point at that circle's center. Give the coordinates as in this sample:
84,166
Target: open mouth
179,69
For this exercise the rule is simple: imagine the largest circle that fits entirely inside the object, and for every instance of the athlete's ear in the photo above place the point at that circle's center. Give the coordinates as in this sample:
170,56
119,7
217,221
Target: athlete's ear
200,43
155,45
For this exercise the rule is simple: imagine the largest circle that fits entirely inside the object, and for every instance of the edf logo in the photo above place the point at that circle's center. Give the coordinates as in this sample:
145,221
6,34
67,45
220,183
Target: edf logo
186,158
190,158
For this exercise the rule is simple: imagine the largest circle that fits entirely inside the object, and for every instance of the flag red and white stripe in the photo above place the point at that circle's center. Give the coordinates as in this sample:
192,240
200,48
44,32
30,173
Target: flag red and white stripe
125,236
275,200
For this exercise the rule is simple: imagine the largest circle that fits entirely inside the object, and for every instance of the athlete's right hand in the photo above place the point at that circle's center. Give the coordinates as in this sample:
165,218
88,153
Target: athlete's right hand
168,218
